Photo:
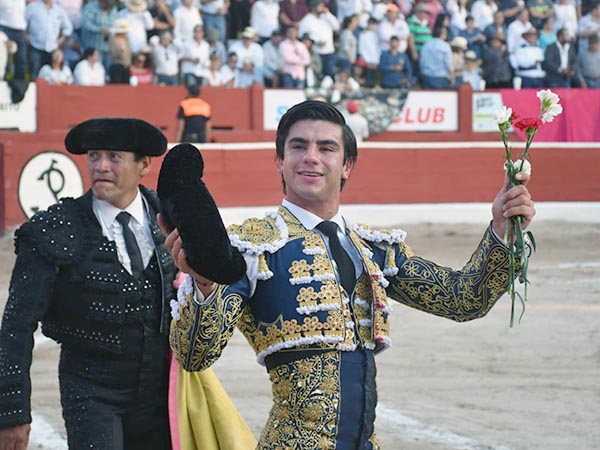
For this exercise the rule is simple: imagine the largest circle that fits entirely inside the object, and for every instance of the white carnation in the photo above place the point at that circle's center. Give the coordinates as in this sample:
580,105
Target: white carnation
503,115
550,106
521,166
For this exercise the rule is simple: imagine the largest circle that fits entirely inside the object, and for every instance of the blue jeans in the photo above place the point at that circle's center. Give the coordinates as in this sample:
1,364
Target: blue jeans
288,82
328,62
435,82
168,80
37,58
21,56
593,83
529,82
189,79
218,22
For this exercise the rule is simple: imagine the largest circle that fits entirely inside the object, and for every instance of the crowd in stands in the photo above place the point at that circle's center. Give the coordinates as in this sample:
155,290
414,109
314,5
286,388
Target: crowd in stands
338,45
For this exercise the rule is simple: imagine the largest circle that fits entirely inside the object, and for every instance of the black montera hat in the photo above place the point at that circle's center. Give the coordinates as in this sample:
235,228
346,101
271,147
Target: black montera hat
187,204
116,133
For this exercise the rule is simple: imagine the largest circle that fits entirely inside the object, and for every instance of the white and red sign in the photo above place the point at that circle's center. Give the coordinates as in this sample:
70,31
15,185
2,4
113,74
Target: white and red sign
428,111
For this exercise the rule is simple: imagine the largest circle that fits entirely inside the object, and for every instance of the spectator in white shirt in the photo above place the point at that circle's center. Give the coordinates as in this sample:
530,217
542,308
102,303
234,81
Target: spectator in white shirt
527,60
320,24
249,50
47,26
393,24
356,121
57,72
214,76
186,16
369,50
73,9
214,14
483,12
230,71
589,25
140,22
264,18
515,31
195,58
89,71
165,56
566,17
347,8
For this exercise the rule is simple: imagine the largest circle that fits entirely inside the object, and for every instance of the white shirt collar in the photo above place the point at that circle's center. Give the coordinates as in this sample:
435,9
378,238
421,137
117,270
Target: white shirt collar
310,220
108,212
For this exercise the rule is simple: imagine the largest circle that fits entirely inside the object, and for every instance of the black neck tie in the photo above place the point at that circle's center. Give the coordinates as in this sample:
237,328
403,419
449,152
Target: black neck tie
135,256
345,265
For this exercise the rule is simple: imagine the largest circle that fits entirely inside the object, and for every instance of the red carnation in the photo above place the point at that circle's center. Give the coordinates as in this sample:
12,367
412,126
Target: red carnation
527,123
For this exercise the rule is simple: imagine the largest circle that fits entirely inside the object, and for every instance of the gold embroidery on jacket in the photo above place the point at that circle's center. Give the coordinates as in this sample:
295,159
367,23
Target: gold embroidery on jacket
306,399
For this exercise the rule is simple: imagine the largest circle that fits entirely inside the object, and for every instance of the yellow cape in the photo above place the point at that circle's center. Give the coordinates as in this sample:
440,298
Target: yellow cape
207,419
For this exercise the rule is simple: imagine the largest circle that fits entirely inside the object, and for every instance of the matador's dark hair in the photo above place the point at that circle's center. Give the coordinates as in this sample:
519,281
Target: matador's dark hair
315,110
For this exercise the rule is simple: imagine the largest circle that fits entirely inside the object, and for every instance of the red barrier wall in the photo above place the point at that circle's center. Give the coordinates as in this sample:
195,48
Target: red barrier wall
405,174
468,171
236,113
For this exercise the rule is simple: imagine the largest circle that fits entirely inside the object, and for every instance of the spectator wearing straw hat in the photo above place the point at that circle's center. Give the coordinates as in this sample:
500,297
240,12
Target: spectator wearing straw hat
140,22
120,52
528,59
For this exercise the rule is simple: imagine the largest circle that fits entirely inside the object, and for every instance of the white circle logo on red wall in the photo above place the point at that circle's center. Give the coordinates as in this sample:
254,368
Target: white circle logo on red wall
46,178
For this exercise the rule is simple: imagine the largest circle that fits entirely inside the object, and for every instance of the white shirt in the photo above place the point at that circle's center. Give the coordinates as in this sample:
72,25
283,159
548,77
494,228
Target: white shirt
566,17
264,17
320,29
347,8
228,74
193,49
359,126
12,14
86,75
212,7
587,23
139,23
166,60
254,51
215,78
388,29
514,34
185,21
52,76
368,46
113,231
45,25
483,13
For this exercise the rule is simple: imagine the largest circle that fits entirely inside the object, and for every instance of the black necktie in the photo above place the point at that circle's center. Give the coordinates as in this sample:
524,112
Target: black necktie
135,256
345,265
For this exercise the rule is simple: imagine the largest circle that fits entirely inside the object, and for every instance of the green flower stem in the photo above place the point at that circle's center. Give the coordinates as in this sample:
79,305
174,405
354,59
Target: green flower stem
514,235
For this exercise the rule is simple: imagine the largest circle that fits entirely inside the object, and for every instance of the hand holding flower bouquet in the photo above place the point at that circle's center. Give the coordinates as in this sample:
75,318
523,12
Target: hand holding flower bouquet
514,234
